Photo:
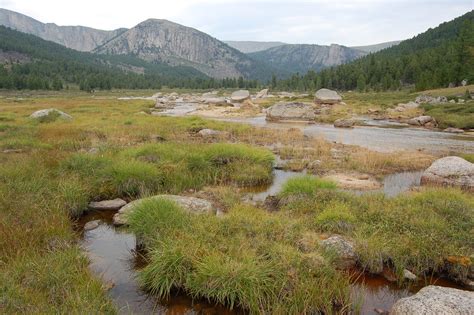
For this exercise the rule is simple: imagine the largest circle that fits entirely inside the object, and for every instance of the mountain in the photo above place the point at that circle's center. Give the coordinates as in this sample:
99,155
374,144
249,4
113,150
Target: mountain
439,57
251,46
27,61
377,47
76,37
163,41
301,58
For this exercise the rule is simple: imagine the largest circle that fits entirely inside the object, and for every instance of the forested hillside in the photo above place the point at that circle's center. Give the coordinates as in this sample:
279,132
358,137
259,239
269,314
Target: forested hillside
436,58
28,62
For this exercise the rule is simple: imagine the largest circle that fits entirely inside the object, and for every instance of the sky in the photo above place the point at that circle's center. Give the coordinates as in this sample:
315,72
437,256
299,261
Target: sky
350,23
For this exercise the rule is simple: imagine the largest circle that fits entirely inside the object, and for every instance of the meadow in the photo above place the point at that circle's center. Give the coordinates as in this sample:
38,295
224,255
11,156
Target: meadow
258,260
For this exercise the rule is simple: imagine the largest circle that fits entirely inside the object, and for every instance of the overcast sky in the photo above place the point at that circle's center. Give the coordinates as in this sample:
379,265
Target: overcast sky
356,22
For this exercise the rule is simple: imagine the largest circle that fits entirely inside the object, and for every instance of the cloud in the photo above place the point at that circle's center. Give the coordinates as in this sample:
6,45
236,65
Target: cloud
355,22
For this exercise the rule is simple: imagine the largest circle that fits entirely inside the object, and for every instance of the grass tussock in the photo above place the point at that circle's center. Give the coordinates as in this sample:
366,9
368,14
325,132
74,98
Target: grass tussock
248,258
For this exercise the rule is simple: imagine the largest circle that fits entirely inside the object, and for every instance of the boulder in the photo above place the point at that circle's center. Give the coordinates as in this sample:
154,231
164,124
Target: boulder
343,249
450,171
240,96
262,94
422,121
436,300
50,112
326,96
344,123
114,204
401,107
190,204
291,111
453,130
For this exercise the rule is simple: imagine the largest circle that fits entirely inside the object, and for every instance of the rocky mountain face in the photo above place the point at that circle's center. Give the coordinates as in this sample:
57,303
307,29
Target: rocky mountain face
252,46
301,58
175,44
76,37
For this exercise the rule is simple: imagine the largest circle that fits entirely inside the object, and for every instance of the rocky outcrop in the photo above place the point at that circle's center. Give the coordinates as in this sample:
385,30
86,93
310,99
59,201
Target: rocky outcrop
342,249
174,44
450,171
240,96
51,113
436,300
105,205
291,111
344,123
190,204
424,121
326,96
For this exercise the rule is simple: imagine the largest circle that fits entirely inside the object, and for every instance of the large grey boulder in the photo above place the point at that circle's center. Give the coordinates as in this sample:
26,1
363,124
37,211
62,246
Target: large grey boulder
114,204
190,204
240,96
326,96
343,249
450,171
291,111
50,112
434,300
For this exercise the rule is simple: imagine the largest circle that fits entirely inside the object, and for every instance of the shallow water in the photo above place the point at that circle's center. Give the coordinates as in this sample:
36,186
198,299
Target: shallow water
181,109
114,259
383,138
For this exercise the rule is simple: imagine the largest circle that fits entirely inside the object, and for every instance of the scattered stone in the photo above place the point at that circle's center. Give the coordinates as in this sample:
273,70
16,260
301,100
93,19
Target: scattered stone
344,123
346,256
262,94
92,225
452,101
464,82
45,113
450,171
403,107
424,121
103,205
460,101
453,130
240,96
190,204
436,300
326,96
408,275
291,111
422,99
286,94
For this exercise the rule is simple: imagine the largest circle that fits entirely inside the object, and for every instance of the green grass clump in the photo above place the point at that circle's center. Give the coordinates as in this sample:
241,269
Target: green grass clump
452,115
335,218
305,185
247,259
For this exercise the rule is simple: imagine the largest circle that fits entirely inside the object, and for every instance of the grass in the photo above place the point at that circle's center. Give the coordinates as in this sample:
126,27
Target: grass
452,115
305,185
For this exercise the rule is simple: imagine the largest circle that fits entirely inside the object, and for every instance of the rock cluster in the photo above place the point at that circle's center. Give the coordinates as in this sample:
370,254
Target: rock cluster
422,99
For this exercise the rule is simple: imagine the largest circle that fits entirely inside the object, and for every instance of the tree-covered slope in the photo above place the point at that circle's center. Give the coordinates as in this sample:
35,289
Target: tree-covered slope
436,58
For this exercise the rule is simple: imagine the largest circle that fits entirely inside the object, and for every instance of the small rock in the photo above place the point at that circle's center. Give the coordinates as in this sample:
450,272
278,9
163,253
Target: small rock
114,204
421,120
209,133
408,275
262,94
92,225
436,300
